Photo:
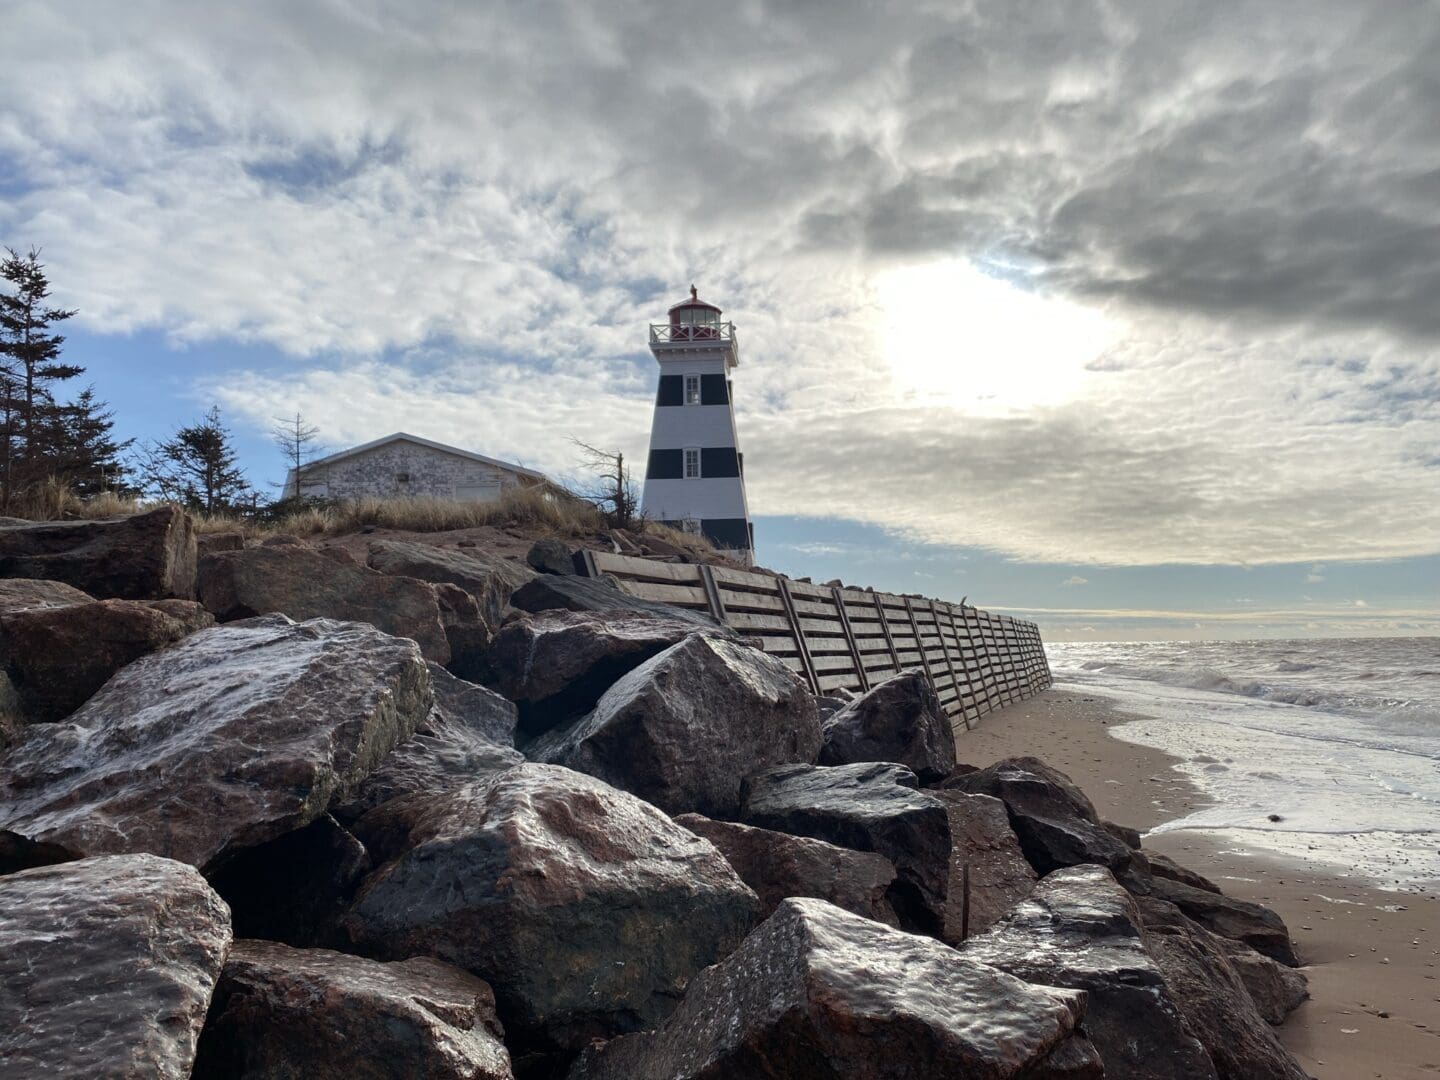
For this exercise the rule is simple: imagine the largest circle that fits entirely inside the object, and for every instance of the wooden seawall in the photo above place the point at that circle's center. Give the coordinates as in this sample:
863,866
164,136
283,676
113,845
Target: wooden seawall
836,637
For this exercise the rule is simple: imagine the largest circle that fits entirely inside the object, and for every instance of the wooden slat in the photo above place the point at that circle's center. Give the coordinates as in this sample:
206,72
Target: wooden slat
646,569
689,596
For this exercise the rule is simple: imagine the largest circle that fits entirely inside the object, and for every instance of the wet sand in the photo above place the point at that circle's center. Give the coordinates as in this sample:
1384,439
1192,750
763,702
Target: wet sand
1373,957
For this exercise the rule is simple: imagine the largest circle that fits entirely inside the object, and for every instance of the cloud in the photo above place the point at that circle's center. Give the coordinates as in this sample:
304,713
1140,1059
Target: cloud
459,220
1074,579
1316,574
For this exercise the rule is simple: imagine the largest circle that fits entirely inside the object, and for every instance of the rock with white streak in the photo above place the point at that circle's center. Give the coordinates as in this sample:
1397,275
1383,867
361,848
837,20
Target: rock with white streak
107,966
234,736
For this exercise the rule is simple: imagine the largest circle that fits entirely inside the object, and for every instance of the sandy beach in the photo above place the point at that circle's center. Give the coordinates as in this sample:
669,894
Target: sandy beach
1372,956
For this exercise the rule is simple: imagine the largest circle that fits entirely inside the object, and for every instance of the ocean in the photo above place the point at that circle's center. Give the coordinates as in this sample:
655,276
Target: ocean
1325,749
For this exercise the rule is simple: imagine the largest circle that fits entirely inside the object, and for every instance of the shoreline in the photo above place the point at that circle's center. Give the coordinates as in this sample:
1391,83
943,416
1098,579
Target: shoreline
1372,956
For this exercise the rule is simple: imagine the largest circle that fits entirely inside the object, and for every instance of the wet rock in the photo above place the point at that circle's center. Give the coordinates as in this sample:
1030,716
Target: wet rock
234,736
1276,990
467,735
488,578
467,632
777,865
58,656
585,908
550,557
819,992
867,807
555,665
210,543
149,556
107,966
686,727
296,887
1166,867
283,1012
1000,877
304,584
1079,929
1212,998
899,720
27,594
554,592
1255,925
1057,825
1126,835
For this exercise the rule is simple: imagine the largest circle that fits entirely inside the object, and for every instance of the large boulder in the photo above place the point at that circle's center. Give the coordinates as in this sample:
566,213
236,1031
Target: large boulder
283,1012
899,720
1240,920
867,807
777,865
1057,825
1079,929
296,887
488,578
306,584
107,966
234,736
149,556
686,727
555,592
56,657
1211,996
468,734
555,665
984,849
819,992
27,594
1276,990
1163,866
585,908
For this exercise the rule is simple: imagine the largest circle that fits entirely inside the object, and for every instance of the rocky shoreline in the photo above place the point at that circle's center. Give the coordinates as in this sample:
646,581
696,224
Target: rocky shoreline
436,813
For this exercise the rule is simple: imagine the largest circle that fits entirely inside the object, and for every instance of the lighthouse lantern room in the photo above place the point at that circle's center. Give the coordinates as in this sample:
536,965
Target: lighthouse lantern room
695,476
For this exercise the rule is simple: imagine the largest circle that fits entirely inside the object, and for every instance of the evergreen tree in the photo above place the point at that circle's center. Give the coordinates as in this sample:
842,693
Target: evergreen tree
79,446
30,357
197,468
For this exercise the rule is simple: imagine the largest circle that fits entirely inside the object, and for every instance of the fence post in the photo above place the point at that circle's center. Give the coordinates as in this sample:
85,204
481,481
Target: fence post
885,629
949,663
860,675
712,593
800,643
919,644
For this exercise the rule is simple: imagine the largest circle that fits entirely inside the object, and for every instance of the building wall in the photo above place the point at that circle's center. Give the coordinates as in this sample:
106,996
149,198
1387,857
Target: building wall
434,473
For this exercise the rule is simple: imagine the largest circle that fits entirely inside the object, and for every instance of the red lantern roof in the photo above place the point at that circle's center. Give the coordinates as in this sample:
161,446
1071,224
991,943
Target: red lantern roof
694,302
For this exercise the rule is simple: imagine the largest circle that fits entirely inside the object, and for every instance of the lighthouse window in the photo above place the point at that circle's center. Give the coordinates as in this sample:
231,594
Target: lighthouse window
692,389
692,464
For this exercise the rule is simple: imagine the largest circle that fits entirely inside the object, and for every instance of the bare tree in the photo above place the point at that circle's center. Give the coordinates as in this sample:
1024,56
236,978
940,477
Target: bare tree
296,440
613,492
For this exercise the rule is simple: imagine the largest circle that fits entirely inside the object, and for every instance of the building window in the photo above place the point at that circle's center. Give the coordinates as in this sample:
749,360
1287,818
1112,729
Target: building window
692,389
692,464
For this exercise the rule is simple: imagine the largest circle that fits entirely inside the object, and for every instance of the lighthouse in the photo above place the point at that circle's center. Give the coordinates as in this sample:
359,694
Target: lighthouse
695,476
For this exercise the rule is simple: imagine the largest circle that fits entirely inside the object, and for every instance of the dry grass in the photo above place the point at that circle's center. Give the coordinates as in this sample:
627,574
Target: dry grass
539,511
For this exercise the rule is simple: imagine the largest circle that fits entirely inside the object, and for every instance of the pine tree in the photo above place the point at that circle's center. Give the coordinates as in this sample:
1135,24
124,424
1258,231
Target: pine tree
197,468
30,357
79,446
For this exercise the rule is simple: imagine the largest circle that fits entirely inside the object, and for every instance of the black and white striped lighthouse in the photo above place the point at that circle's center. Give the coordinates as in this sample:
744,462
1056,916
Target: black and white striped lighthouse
695,477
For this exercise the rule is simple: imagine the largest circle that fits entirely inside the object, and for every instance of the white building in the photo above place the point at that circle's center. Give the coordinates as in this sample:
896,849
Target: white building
402,465
695,476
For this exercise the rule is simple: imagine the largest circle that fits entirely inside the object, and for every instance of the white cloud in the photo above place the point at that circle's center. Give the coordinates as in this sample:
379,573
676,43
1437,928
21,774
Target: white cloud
1079,284
1316,574
1074,579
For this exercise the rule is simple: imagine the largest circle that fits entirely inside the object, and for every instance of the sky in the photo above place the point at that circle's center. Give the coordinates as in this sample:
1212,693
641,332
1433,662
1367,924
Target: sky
1124,317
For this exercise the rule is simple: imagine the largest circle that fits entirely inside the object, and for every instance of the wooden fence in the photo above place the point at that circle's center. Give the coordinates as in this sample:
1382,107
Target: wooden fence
836,637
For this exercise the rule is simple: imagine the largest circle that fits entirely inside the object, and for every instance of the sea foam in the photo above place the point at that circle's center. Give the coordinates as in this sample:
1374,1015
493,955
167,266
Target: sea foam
1339,740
